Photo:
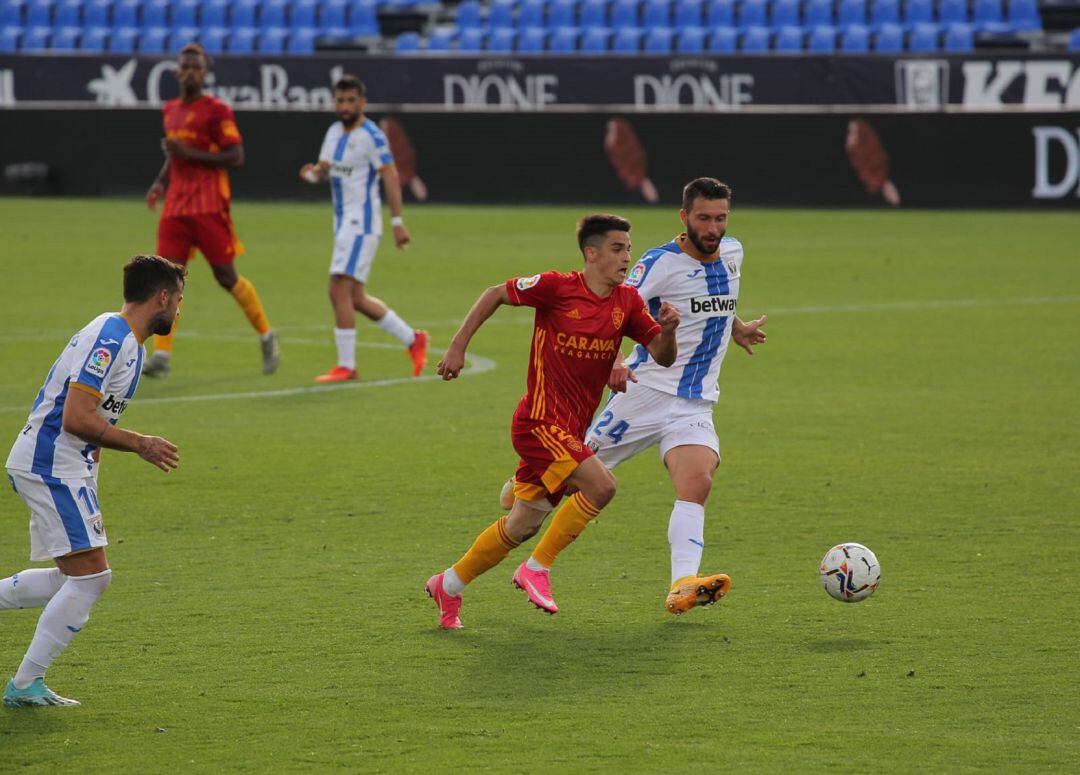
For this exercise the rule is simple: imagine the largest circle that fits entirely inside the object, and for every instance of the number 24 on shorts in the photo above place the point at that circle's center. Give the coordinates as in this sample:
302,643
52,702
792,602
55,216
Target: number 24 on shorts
615,432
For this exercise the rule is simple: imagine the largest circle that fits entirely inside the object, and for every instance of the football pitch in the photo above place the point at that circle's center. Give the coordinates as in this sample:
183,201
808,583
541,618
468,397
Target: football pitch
918,393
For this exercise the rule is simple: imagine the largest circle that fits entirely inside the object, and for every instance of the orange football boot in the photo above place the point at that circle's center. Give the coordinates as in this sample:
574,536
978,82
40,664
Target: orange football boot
337,374
691,591
418,351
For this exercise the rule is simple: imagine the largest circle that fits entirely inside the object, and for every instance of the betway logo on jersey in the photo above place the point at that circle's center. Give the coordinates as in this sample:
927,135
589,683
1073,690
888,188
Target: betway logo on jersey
716,306
336,168
114,405
584,346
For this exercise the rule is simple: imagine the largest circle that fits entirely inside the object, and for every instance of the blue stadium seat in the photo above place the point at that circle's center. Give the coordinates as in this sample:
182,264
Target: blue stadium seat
786,13
185,13
688,14
722,41
531,13
301,41
594,40
38,14
9,39
655,13
332,16
12,14
564,40
94,40
245,13
97,13
272,14
214,13
65,39
213,39
789,40
720,13
469,15
884,12
470,40
690,40
822,40
889,39
627,40
36,39
1024,15
501,40
440,41
126,13
851,12
751,13
988,17
562,13
918,12
1074,40
67,13
959,39
755,40
593,13
855,39
407,43
303,15
624,13
532,40
122,40
153,40
501,14
363,17
155,13
817,12
658,40
953,12
272,40
924,39
181,36
242,40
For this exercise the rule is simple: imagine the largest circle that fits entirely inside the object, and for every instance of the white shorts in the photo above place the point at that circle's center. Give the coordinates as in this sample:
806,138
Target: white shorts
354,253
641,417
65,516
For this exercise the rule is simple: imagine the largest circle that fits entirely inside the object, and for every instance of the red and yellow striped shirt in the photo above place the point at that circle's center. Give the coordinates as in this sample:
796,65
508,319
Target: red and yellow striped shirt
207,124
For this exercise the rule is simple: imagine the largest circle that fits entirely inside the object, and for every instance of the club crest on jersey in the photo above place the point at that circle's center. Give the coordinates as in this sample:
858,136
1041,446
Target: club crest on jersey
98,362
525,283
617,316
732,267
636,274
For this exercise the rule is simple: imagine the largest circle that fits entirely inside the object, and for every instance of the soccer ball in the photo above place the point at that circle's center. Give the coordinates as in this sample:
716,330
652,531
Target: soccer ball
850,572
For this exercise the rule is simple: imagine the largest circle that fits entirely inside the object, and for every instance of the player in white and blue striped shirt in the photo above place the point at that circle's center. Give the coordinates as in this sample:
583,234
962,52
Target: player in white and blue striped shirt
53,467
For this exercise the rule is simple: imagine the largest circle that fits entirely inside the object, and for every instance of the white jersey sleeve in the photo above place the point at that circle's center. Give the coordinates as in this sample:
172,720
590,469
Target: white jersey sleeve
356,156
326,153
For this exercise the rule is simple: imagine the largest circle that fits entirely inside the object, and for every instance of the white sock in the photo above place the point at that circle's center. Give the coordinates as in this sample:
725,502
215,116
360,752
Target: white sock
396,327
165,354
452,583
266,337
30,588
533,564
63,618
346,347
686,535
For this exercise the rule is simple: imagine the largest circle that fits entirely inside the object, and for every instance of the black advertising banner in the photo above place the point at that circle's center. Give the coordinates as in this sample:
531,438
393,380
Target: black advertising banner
947,160
550,84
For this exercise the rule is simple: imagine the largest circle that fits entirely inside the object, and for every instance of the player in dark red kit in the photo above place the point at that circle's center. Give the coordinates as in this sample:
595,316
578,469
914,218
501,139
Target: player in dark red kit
581,318
201,143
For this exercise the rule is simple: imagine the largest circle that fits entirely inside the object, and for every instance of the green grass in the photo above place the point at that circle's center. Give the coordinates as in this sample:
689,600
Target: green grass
918,394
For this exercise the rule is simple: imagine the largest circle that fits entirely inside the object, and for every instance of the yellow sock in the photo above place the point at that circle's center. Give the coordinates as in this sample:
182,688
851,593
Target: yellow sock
163,344
246,296
488,550
567,524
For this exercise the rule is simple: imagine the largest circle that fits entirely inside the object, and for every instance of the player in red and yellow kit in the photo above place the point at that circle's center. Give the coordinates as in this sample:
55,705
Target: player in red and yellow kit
581,318
201,143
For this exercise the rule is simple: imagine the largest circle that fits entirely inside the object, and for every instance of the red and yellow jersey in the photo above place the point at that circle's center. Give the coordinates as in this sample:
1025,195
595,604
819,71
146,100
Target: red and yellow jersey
576,337
208,125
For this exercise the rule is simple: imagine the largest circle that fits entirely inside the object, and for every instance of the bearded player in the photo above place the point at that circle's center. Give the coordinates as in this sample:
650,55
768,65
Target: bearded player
201,144
581,318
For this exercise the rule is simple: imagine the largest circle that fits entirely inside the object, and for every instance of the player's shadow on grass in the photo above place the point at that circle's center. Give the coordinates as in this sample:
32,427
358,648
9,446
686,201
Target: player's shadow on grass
839,645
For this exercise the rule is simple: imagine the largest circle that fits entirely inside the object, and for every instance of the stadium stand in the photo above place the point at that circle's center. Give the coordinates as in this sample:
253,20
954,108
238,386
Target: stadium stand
589,27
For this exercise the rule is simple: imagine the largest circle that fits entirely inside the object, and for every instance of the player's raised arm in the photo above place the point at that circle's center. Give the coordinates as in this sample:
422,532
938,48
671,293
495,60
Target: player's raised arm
490,300
620,375
392,186
663,347
81,419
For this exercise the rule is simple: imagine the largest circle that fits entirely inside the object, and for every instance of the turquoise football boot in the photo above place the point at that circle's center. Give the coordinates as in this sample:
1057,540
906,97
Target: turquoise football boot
36,694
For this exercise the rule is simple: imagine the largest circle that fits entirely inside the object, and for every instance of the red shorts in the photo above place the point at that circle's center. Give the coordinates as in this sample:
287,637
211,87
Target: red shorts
549,454
211,233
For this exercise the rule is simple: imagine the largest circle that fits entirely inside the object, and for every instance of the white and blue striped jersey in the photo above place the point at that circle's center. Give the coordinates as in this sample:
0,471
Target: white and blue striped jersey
355,156
104,359
705,293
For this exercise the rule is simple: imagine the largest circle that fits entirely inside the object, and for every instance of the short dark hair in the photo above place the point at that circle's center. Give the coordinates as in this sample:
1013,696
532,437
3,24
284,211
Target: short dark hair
597,225
350,83
196,48
704,188
146,275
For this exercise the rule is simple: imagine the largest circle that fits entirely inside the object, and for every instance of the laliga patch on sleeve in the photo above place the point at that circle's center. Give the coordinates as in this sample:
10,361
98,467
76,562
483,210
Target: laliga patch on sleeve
525,283
635,275
98,362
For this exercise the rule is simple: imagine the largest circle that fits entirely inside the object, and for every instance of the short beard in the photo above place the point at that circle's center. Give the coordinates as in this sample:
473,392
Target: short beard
352,119
696,241
161,325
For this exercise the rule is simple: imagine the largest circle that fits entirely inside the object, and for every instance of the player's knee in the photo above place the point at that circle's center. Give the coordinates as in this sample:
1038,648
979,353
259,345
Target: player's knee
695,488
603,491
